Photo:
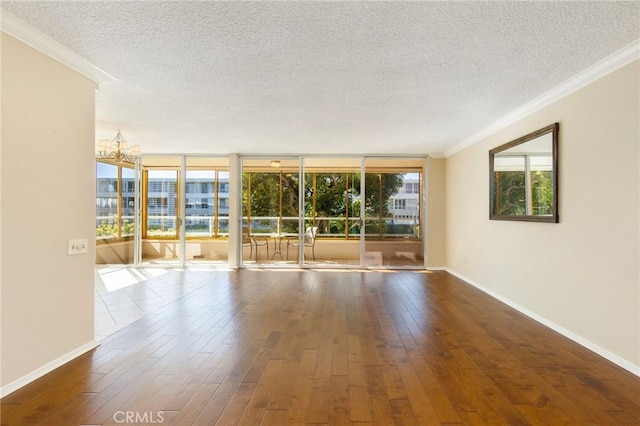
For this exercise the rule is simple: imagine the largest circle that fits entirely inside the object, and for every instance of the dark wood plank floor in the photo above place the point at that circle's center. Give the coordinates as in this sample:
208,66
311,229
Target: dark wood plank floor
315,347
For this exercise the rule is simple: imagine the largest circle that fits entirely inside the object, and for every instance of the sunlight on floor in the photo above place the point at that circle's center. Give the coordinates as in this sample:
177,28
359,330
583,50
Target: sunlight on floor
125,294
115,278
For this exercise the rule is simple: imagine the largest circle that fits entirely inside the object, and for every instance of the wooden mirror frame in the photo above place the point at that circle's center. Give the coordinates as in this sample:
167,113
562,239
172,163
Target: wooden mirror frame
552,129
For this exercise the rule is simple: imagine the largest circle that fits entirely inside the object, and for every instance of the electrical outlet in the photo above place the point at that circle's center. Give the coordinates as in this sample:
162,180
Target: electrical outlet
77,246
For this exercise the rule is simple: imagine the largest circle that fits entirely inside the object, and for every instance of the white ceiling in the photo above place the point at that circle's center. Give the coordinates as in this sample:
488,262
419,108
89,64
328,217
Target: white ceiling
324,77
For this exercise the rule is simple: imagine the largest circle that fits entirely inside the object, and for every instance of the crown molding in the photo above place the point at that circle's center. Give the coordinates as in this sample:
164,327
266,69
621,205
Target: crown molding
45,44
609,64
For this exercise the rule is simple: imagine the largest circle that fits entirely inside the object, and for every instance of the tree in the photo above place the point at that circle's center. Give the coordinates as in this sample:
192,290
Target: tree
326,196
542,192
510,193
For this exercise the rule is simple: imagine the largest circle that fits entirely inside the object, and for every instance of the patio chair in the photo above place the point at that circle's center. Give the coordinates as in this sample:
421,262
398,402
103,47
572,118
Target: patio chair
309,240
248,240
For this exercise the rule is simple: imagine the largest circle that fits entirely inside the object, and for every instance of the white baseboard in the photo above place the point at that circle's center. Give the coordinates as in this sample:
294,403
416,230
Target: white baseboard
47,368
627,365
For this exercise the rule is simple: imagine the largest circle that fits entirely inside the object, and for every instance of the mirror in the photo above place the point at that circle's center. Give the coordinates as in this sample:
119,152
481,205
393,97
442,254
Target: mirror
524,178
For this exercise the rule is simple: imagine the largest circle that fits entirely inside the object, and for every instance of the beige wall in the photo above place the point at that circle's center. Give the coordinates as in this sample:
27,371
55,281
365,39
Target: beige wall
47,181
436,218
583,273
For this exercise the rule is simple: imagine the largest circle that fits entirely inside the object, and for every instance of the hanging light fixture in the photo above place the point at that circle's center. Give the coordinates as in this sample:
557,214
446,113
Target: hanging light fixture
117,150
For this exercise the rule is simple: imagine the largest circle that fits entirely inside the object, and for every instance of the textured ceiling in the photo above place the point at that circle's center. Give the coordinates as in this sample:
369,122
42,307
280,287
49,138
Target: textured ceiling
324,77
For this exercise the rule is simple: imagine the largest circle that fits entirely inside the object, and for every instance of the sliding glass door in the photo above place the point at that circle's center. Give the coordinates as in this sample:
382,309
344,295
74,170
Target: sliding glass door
185,210
161,221
393,212
309,211
332,212
115,219
332,224
292,218
270,211
206,194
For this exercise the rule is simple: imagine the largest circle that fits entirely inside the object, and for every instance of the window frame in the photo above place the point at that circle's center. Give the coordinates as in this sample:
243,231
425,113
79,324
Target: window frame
311,219
183,192
119,192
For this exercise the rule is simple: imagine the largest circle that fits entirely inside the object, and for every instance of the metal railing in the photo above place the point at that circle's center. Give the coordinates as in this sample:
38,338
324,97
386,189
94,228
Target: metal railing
204,226
337,227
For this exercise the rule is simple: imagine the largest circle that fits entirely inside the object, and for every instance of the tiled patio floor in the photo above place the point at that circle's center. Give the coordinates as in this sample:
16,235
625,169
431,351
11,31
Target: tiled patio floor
124,294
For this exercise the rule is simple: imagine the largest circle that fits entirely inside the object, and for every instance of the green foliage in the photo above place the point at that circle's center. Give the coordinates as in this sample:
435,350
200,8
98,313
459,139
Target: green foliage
265,199
159,230
326,195
511,197
379,187
127,227
110,230
542,192
510,193
106,230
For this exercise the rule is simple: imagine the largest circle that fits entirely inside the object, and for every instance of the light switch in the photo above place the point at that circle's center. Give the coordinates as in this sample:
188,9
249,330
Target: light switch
81,245
77,246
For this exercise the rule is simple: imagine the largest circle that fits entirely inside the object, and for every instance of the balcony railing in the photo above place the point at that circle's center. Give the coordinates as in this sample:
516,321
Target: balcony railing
336,227
204,226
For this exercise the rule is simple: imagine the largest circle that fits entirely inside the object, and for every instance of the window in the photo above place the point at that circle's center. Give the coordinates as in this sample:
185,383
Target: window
161,218
114,209
412,188
155,186
158,203
108,184
128,185
202,215
127,204
332,203
199,215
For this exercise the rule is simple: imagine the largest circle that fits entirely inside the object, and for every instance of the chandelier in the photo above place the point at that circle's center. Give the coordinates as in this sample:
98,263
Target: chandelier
117,150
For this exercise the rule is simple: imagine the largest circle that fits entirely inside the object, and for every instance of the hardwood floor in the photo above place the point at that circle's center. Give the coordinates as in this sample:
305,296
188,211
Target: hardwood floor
332,347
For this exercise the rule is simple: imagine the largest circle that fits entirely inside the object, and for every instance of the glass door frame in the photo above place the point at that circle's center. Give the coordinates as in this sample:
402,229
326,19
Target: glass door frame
421,204
235,162
141,186
137,211
181,199
240,219
303,263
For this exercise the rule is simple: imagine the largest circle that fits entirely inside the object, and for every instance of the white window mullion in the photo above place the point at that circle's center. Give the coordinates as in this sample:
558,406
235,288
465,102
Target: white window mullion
527,185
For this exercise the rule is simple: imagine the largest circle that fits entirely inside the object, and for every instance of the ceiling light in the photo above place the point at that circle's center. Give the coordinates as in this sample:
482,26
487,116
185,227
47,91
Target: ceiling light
275,163
117,150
